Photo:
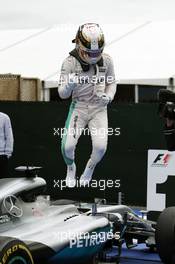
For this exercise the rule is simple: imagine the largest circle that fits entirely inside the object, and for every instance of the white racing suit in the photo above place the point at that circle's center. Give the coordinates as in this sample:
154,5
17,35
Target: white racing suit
86,108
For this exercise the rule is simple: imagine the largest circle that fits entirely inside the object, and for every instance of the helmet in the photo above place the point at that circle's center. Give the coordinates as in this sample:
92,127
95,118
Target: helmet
90,42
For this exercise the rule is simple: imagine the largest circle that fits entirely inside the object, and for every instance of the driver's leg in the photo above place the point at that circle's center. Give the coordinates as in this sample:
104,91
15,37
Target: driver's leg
98,126
75,123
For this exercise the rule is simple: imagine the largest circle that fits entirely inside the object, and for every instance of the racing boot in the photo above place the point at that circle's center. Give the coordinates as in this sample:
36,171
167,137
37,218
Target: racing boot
70,177
87,174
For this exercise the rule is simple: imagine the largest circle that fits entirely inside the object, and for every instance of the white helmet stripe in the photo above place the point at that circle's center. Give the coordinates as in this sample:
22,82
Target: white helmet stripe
94,44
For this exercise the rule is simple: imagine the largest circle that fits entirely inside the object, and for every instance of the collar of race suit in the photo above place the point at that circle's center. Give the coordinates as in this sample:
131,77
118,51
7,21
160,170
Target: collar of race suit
85,66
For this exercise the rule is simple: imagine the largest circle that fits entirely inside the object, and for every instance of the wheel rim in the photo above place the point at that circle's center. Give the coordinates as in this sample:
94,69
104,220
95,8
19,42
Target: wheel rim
18,260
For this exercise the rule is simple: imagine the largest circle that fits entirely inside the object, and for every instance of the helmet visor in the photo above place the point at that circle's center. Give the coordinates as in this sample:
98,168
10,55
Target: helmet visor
94,53
91,53
89,56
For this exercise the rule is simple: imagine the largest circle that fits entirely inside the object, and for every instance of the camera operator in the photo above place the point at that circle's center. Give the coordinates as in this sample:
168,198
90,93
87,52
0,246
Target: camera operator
167,110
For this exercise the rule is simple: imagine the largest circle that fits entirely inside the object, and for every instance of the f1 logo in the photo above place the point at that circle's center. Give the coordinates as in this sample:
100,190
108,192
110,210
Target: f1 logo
161,159
160,180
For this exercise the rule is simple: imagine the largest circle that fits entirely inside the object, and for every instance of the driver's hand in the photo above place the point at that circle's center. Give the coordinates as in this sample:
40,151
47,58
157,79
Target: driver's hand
73,80
104,99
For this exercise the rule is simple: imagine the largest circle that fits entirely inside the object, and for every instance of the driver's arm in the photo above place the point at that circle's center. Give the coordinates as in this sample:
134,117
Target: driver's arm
111,85
65,87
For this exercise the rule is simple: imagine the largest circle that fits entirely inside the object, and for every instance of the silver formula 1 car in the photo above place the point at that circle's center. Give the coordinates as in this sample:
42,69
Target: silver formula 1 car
33,230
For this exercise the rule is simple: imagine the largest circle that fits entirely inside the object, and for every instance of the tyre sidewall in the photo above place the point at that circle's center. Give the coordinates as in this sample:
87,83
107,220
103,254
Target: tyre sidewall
14,252
165,235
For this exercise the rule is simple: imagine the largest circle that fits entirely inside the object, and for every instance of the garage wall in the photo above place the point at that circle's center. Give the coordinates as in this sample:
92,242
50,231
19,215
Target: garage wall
16,88
126,158
9,86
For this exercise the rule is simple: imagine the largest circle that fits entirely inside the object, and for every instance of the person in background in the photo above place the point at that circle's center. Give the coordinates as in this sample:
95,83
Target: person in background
166,110
6,143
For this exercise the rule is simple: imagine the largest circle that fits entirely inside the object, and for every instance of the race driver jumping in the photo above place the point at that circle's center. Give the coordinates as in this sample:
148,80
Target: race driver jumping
88,75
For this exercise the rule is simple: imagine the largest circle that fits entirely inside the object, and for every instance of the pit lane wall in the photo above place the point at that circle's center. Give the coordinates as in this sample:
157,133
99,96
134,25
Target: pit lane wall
136,128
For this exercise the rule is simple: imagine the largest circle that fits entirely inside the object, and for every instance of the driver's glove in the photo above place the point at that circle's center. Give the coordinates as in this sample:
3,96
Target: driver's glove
72,81
104,99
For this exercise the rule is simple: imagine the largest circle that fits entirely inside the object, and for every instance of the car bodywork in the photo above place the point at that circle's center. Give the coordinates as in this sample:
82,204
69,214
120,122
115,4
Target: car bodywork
53,233
128,226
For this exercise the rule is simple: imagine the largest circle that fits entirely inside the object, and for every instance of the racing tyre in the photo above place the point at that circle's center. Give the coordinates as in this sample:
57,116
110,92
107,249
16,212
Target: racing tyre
14,251
165,235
